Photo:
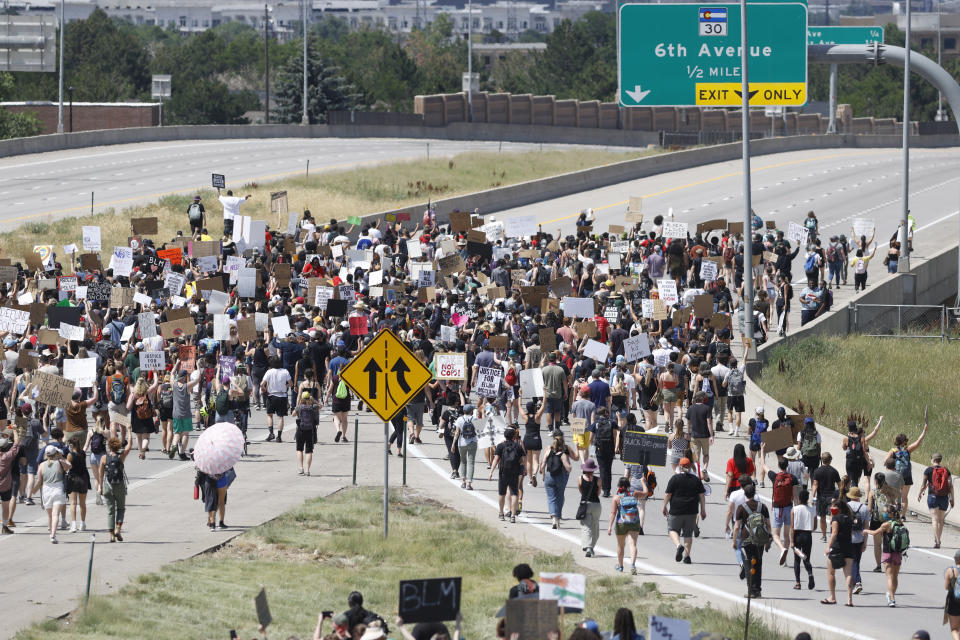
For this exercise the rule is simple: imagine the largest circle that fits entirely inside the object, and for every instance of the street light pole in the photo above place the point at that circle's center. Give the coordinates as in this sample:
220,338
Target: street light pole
305,119
903,264
747,205
941,116
469,60
60,91
266,63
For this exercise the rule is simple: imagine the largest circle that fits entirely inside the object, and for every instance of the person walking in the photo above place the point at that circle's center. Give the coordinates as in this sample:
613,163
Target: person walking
801,537
700,419
839,550
951,582
752,529
532,443
826,481
939,484
114,486
861,520
141,412
467,440
165,413
76,484
196,216
554,391
739,465
809,443
50,482
677,443
508,457
877,500
556,462
308,418
900,454
895,540
625,515
182,415
276,384
589,511
605,439
9,456
683,494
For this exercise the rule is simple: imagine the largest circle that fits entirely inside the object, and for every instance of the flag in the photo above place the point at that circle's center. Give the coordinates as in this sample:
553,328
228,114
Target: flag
715,14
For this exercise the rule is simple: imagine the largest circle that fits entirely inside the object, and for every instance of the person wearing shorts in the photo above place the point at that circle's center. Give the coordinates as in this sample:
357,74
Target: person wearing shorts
182,417
938,504
276,384
700,419
684,493
891,559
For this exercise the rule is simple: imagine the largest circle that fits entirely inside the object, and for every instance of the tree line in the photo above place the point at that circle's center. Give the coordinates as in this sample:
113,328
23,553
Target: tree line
218,75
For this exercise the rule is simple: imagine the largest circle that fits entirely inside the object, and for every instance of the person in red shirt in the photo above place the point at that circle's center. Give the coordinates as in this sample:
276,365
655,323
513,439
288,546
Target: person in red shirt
602,326
738,465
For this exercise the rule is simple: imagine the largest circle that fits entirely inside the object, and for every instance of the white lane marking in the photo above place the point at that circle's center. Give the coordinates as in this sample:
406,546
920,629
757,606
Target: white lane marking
650,568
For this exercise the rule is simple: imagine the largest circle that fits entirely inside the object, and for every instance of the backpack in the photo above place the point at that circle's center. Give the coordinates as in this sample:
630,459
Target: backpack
809,447
940,481
627,511
783,489
759,426
543,276
854,447
955,589
859,519
736,383
512,460
143,408
118,390
756,527
166,398
879,505
604,437
899,537
833,253
223,402
554,463
114,470
902,459
342,391
98,444
811,263
511,378
194,213
861,266
468,431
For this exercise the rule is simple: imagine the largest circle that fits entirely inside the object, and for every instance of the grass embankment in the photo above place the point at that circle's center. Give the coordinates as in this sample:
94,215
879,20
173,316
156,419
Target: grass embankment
874,377
334,194
310,558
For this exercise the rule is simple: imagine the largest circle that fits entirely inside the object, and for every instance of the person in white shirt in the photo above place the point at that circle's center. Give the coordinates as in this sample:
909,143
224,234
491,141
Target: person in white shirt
231,209
737,499
276,384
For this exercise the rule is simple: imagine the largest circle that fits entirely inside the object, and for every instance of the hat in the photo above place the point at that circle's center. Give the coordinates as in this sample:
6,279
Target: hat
591,625
5,444
341,619
183,374
107,330
608,283
759,410
684,462
621,358
51,450
9,341
138,346
359,305
808,421
26,408
920,634
664,342
468,408
584,388
781,413
589,466
854,493
792,454
197,197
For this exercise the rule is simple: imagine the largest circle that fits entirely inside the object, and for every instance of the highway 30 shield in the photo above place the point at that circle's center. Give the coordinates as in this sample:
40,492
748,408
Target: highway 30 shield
386,375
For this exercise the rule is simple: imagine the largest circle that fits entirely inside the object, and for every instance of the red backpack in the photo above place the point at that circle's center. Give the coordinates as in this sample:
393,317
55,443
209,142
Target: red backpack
783,490
940,481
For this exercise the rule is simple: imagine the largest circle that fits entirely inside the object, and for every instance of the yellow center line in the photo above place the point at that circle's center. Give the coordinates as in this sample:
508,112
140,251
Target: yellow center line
697,183
343,165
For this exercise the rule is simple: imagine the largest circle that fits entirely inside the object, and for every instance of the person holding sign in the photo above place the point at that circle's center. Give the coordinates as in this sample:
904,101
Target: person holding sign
231,209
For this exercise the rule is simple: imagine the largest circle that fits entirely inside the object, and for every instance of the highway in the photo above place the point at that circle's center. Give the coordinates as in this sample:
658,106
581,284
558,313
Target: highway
164,525
58,184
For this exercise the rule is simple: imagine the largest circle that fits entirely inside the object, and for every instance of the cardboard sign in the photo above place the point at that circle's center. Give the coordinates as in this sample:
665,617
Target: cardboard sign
644,448
120,297
178,314
27,360
499,342
588,329
143,226
278,203
548,340
187,356
460,221
450,366
616,229
174,329
561,287
211,284
530,618
358,325
247,329
549,304
711,225
451,264
719,321
218,181
53,390
8,273
430,600
47,336
33,261
153,360
636,347
175,256
703,306
774,439
90,261
578,426
708,270
203,249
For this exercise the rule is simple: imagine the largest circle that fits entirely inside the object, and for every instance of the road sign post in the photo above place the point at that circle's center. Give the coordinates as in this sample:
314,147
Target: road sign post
386,375
841,35
690,55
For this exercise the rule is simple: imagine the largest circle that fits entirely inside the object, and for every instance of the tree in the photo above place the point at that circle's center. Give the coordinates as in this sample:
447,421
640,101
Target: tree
15,125
381,70
440,58
327,90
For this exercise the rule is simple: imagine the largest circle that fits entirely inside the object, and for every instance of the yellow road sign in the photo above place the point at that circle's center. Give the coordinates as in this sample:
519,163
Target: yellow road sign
386,375
727,94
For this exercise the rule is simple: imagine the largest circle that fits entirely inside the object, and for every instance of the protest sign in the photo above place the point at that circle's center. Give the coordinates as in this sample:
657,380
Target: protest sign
181,328
675,230
548,340
447,333
488,382
429,600
460,221
246,329
644,448
862,228
53,390
281,326
668,629
218,181
358,325
91,238
708,270
703,306
120,297
221,326
152,361
577,307
175,255
14,320
597,350
568,589
668,290
67,284
587,328
774,439
450,366
82,371
636,347
520,226
218,302
8,273
71,332
174,282
531,383
143,226
228,365
147,322
187,355
797,234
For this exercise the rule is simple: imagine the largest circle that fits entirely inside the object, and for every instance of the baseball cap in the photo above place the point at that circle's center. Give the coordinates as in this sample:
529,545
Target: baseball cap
759,410
468,408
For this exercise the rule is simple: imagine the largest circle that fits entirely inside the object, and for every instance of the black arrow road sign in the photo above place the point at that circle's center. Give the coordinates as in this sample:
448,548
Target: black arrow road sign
752,93
401,368
373,369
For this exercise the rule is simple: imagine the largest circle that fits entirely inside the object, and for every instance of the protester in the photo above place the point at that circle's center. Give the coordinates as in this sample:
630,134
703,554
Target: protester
588,512
939,482
556,463
752,530
895,540
114,485
684,493
50,478
625,515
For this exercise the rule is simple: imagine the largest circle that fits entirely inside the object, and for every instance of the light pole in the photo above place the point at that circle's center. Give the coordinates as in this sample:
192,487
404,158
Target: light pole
903,264
747,205
266,63
469,60
60,91
306,118
70,93
941,115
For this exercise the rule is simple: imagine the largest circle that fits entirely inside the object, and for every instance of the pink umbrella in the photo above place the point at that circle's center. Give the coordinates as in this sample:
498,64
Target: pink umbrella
218,448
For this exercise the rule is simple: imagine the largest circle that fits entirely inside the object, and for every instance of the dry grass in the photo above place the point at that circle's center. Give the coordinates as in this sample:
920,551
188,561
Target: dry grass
335,194
310,558
873,377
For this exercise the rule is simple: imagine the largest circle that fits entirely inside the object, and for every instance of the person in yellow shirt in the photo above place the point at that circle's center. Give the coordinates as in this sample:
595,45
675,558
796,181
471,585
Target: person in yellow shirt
859,263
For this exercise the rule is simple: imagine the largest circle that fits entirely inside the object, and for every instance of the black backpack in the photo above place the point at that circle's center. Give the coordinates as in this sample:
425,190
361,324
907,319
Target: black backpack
223,402
98,444
543,276
114,470
554,463
604,438
468,431
512,461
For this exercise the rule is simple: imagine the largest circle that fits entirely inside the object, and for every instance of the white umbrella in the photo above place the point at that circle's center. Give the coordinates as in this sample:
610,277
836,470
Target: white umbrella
218,448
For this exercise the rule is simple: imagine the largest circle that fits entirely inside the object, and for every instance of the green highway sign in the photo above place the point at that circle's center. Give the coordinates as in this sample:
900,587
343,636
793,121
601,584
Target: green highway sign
689,54
844,35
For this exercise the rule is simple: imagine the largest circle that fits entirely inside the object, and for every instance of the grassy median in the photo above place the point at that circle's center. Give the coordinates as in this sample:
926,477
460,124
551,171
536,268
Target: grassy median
310,558
873,377
332,194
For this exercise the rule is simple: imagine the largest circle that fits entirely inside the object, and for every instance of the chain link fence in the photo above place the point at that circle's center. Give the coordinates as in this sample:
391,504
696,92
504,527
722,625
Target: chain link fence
906,321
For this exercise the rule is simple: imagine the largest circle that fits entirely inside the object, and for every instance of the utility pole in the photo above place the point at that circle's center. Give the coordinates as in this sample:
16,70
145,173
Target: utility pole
903,264
747,205
469,60
63,26
266,63
306,118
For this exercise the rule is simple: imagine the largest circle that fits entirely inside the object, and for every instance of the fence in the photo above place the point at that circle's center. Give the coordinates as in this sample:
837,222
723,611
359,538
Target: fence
381,118
905,321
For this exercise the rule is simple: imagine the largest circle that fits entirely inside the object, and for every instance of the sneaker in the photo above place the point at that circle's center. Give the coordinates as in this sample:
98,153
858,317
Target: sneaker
53,539
589,553
617,567
29,501
222,525
299,472
73,527
679,555
719,428
63,525
640,531
212,526
743,571
279,438
877,569
857,588
5,530
501,517
344,439
463,485
783,556
513,519
172,452
20,499
687,560
633,570
184,457
99,498
337,437
533,480
519,507
891,602
270,437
